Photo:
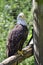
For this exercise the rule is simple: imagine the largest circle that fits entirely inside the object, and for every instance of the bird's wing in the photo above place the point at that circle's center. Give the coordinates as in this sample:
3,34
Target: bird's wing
15,36
16,39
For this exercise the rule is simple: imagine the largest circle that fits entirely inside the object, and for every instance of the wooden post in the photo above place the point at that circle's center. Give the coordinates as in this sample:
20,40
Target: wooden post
38,32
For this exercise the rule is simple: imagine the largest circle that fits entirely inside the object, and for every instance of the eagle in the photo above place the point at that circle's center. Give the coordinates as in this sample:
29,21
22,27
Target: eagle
17,36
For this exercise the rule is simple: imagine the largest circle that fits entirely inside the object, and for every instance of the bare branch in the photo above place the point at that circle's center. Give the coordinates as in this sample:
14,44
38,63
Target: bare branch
11,60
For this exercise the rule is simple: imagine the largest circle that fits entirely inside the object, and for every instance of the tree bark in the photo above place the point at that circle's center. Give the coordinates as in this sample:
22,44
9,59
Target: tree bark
38,32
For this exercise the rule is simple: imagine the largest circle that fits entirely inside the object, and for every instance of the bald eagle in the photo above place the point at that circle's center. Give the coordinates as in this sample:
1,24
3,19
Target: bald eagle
17,36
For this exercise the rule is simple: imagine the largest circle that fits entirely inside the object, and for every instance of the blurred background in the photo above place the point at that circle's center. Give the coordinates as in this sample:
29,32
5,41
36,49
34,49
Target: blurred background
9,9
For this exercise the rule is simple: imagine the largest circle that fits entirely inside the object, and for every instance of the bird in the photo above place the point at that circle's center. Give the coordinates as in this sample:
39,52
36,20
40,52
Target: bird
17,36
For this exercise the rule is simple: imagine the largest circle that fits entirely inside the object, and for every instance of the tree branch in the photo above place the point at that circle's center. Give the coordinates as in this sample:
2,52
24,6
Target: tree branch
27,52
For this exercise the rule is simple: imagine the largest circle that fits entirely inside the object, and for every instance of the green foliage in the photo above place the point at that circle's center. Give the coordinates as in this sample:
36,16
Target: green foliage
9,9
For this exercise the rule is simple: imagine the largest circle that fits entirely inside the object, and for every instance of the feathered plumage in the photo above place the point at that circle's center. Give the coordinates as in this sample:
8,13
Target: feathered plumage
17,36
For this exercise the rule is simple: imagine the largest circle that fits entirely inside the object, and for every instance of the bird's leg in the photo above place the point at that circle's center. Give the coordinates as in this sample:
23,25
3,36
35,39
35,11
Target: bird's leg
20,52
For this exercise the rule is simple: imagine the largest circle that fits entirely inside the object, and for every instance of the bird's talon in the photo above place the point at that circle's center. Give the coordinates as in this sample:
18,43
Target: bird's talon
20,52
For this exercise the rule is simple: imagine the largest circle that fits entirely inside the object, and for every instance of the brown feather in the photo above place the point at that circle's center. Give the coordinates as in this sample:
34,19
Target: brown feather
16,39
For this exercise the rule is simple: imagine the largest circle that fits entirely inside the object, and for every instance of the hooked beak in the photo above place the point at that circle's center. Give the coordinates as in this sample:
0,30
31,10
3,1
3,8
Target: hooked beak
23,17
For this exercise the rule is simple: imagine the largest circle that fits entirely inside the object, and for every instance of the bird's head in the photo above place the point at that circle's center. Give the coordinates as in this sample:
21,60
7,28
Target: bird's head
21,19
21,15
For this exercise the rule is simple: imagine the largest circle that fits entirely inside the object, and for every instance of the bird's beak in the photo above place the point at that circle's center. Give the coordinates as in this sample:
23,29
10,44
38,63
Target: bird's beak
23,17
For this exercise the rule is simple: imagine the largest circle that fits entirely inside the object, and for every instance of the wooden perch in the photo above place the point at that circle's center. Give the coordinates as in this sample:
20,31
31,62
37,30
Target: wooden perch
11,60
